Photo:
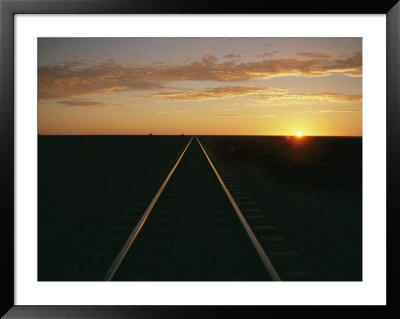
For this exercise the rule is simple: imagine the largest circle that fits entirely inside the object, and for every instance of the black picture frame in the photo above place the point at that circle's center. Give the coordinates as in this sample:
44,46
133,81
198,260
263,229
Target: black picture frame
9,8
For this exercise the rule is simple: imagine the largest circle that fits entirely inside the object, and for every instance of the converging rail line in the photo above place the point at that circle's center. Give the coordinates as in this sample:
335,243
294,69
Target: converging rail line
265,259
118,259
196,231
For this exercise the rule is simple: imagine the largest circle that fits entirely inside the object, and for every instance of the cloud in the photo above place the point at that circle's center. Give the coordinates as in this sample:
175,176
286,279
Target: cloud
74,79
177,111
232,56
328,111
315,54
85,103
240,115
77,79
303,67
355,74
267,54
339,111
214,93
326,96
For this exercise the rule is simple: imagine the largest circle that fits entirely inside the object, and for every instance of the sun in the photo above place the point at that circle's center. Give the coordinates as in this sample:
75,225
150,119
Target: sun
299,134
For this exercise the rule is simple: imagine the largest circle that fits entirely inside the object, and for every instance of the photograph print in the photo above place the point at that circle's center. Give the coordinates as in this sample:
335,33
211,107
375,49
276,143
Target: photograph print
200,159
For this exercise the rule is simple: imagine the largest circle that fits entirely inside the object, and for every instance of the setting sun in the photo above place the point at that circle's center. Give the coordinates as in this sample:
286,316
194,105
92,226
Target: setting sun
299,134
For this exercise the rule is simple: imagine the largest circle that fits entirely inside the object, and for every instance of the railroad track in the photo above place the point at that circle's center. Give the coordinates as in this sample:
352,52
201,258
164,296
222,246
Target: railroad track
198,226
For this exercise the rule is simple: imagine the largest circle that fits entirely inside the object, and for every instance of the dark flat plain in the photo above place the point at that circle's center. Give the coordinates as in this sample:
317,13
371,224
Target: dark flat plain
310,188
84,184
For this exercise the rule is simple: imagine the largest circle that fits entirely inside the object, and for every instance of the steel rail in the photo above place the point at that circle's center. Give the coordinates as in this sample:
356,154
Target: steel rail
261,253
121,255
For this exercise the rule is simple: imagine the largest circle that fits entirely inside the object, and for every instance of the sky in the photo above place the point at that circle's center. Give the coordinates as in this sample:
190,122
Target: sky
200,86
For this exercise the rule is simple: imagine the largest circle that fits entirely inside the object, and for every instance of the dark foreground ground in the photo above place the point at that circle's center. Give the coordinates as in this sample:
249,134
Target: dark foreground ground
93,188
84,183
310,187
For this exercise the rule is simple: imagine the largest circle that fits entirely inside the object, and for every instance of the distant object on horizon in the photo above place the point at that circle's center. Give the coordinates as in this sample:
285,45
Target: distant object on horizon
150,134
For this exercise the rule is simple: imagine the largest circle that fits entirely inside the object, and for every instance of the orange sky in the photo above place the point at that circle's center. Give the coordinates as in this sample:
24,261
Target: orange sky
197,86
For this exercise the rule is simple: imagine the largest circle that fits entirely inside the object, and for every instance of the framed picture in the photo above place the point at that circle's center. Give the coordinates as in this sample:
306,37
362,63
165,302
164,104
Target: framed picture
242,156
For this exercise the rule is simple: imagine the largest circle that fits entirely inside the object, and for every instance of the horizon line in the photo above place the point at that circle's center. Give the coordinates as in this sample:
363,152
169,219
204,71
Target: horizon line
151,134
